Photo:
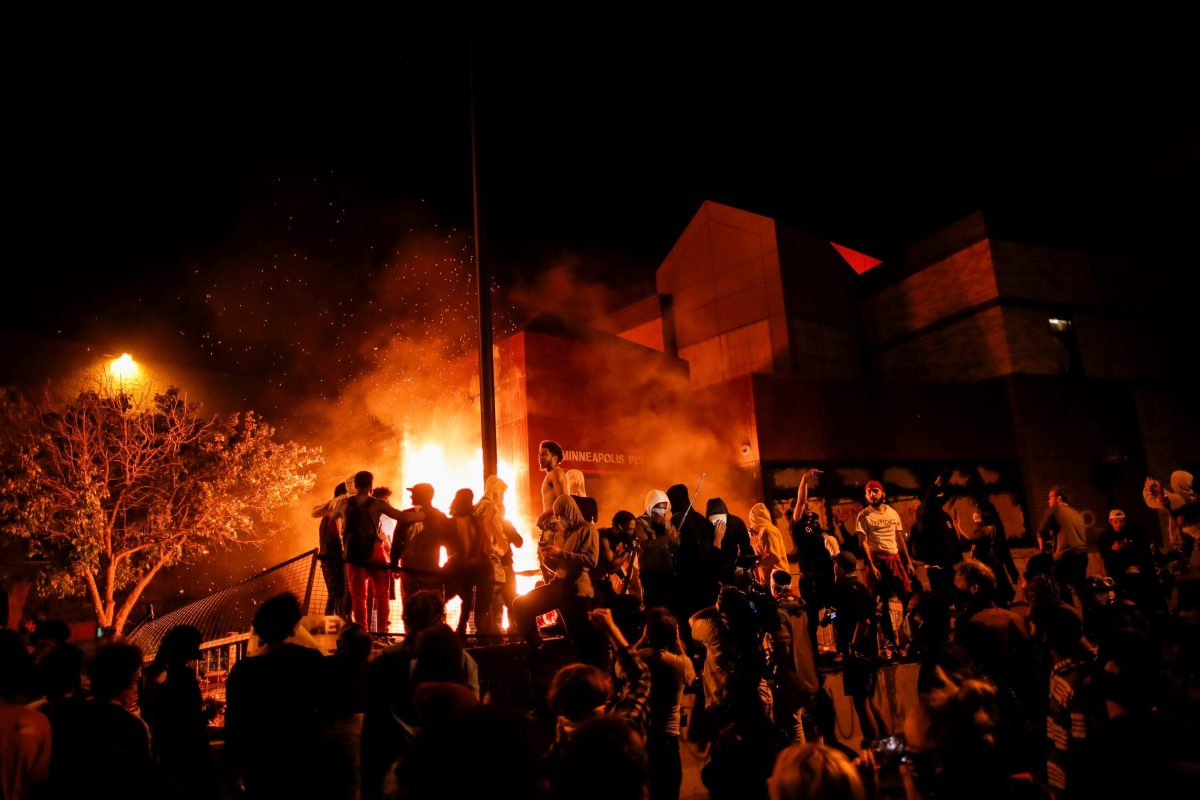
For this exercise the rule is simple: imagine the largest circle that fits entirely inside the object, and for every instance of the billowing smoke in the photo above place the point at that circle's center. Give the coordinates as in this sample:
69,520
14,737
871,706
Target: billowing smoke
366,359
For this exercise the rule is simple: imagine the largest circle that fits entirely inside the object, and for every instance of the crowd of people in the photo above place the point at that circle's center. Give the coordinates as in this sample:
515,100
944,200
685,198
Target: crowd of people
1034,682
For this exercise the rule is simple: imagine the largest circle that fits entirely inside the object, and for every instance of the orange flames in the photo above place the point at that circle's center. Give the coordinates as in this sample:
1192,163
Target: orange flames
449,468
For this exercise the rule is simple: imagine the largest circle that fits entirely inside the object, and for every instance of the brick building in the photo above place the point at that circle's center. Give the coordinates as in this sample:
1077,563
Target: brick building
983,349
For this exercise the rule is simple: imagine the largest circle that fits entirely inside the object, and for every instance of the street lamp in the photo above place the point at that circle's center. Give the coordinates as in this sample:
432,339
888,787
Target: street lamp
124,367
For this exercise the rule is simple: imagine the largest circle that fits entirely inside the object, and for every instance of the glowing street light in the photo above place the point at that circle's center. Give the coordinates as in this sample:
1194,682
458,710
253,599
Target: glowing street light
124,367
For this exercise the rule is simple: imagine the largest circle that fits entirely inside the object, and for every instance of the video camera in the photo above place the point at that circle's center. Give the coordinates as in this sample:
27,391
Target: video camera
764,607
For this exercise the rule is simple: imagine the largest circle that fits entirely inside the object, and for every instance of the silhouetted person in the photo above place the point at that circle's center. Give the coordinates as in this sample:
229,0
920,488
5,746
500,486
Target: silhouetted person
936,540
417,545
24,733
100,747
172,706
366,560
343,699
271,708
852,613
333,566
671,671
391,719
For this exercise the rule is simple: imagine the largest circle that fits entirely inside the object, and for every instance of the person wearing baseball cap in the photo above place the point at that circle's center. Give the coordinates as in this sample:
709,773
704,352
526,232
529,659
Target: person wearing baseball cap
1125,551
417,546
889,565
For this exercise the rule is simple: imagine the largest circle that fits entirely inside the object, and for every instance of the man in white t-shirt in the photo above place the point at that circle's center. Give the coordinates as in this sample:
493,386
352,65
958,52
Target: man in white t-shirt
889,566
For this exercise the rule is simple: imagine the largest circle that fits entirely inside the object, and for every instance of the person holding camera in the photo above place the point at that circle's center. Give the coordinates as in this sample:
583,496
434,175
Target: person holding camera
569,553
615,573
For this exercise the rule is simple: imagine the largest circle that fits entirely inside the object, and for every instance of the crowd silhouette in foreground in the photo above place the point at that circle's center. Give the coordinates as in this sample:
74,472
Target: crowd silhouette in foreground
1032,683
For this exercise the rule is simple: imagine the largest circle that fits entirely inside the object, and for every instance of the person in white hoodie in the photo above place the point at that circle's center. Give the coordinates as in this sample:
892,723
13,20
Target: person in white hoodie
659,541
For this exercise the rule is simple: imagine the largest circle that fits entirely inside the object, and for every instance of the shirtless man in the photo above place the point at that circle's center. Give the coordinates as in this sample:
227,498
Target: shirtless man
550,455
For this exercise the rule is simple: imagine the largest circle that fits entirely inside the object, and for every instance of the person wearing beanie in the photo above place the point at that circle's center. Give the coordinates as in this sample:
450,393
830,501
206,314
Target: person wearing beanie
659,541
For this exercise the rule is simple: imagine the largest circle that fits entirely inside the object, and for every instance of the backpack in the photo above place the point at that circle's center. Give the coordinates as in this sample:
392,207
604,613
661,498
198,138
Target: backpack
360,534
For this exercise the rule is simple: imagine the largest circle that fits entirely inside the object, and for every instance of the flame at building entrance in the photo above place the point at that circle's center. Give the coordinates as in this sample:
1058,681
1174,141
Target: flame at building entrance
448,468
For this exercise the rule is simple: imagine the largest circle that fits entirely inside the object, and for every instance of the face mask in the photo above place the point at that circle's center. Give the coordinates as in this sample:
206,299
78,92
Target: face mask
658,513
717,519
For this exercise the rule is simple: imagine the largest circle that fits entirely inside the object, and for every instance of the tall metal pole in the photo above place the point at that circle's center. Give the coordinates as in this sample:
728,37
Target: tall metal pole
483,281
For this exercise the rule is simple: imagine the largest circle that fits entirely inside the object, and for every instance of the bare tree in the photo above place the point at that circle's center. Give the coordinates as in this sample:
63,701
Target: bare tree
111,489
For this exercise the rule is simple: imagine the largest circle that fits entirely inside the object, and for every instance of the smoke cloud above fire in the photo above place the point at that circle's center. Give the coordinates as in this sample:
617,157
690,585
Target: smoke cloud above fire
373,358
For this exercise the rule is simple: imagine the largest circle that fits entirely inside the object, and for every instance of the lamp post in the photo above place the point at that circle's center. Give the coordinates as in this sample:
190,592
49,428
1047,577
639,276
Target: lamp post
487,390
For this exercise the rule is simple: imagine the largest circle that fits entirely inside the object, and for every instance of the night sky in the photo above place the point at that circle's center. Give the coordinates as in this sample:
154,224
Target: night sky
163,184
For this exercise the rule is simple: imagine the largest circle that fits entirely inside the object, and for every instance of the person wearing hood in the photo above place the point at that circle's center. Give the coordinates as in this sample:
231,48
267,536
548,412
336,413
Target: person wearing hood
768,544
659,542
578,490
730,532
693,527
1182,505
499,537
698,563
571,553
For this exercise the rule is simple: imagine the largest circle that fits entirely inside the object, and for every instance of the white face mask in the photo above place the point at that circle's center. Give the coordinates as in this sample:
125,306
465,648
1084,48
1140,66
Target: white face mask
717,519
658,512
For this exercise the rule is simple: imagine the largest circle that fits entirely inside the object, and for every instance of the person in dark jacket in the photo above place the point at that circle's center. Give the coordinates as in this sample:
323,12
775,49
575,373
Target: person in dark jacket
696,563
100,748
271,715
731,533
333,567
1128,560
989,545
172,706
936,541
417,545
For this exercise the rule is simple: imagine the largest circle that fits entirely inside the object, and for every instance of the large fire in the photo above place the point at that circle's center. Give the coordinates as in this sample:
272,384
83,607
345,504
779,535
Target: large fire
448,468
